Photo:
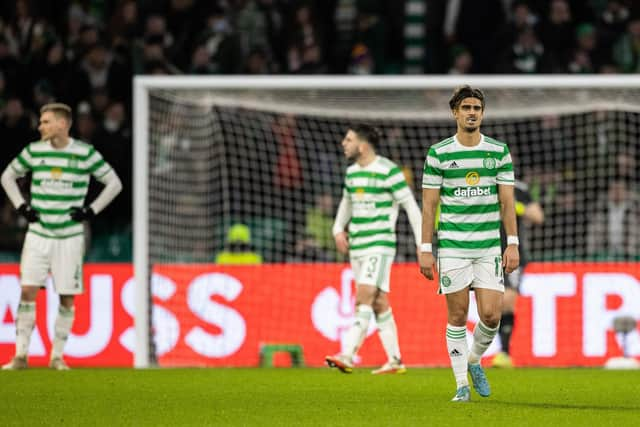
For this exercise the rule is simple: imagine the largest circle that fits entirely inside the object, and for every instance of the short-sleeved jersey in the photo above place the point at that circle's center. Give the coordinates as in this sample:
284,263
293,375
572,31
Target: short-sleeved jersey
60,181
374,192
468,179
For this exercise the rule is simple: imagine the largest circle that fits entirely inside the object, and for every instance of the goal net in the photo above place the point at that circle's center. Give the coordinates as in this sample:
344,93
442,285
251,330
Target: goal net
250,171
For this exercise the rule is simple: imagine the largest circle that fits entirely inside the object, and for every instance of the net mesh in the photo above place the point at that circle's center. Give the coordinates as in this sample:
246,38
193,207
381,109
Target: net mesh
255,176
272,160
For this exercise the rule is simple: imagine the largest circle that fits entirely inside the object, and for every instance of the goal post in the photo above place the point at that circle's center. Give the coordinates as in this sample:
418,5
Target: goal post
188,128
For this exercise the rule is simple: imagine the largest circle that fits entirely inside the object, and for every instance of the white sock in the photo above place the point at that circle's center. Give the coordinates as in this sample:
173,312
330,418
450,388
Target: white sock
357,332
482,338
64,322
25,321
458,353
388,333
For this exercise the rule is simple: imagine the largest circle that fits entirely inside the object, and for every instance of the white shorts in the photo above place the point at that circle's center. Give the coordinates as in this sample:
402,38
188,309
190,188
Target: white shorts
62,257
458,273
373,270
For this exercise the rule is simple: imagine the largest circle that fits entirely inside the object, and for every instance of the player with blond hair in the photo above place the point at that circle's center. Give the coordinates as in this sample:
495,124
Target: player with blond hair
61,168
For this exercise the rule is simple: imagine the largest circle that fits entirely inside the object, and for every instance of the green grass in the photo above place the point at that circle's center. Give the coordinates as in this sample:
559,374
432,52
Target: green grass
316,397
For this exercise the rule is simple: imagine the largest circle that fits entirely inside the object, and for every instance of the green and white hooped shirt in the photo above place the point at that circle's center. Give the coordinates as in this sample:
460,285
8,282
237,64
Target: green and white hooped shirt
60,181
468,178
375,192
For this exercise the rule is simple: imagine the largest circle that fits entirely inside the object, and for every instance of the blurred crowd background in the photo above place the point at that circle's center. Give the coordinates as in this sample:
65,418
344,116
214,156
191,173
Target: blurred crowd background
85,53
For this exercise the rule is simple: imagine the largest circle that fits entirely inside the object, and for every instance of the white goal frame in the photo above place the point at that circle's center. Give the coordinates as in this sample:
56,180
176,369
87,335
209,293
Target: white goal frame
143,84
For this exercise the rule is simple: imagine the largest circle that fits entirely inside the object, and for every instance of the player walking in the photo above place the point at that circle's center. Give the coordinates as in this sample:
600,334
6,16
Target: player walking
374,189
471,176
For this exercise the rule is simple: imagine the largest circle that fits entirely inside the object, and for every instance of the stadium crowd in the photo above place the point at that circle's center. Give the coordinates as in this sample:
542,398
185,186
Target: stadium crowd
85,53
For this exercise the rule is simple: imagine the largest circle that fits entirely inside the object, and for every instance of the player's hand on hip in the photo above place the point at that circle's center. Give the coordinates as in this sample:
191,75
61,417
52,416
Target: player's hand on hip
511,258
28,213
342,242
427,265
80,214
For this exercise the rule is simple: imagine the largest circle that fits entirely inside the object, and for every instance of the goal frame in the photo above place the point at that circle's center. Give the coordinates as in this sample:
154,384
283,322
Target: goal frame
143,84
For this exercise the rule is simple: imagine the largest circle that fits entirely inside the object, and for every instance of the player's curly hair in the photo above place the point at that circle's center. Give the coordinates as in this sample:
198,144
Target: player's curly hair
367,132
462,92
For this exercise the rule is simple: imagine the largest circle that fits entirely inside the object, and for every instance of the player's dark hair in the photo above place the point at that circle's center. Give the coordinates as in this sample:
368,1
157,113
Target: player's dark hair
59,109
462,92
367,133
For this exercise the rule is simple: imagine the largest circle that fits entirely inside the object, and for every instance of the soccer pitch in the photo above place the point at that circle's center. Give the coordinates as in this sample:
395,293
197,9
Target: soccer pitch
315,397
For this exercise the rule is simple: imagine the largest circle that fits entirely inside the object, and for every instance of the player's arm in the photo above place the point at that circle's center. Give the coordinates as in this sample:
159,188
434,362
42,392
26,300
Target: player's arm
414,215
432,179
343,216
526,208
16,169
401,192
112,187
430,200
533,213
511,257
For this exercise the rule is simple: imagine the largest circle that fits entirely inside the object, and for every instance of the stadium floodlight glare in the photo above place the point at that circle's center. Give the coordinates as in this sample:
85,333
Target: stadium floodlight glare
211,151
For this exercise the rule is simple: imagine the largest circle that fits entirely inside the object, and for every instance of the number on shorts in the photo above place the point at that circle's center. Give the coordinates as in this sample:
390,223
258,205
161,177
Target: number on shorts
371,267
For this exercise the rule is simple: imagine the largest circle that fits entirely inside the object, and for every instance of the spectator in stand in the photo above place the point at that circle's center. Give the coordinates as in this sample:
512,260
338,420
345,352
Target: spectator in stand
557,32
84,125
478,26
527,53
614,229
238,249
222,43
319,220
113,140
16,126
462,60
258,62
626,51
304,53
521,18
612,22
589,56
200,61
